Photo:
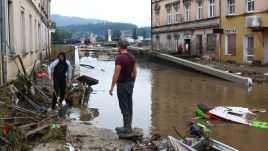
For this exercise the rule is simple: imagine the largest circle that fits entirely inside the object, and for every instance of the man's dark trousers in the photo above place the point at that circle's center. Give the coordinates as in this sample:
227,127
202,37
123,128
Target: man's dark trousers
124,94
60,88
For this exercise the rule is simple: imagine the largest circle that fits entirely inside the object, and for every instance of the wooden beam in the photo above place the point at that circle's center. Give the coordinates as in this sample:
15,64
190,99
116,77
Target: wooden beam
37,130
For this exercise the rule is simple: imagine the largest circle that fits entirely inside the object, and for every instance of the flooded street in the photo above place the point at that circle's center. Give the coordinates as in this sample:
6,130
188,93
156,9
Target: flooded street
165,97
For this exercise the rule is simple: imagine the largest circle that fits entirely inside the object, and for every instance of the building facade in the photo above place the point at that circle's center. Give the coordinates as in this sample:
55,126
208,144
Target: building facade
28,34
187,26
245,26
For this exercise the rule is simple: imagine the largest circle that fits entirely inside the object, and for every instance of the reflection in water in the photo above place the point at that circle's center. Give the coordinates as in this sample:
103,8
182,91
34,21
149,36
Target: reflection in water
175,94
165,97
89,114
84,114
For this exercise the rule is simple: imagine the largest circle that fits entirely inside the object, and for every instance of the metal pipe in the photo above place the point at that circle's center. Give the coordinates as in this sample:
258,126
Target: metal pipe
220,13
151,26
3,42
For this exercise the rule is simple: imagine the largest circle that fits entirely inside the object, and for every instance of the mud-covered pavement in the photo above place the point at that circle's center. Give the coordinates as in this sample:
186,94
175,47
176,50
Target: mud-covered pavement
88,138
259,74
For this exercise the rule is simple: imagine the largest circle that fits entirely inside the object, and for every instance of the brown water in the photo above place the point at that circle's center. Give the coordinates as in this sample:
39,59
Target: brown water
165,97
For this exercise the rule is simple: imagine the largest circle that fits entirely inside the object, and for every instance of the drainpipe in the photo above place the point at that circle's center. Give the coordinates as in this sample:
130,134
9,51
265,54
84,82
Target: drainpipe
3,43
220,33
152,25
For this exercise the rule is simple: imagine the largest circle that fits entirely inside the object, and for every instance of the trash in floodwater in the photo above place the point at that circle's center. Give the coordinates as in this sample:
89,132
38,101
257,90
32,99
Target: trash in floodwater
87,66
87,80
234,114
198,137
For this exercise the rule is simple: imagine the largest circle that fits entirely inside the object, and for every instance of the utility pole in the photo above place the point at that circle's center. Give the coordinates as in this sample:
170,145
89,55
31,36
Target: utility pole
3,42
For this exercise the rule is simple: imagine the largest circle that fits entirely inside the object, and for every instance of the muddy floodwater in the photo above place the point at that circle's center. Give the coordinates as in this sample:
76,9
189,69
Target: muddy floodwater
165,97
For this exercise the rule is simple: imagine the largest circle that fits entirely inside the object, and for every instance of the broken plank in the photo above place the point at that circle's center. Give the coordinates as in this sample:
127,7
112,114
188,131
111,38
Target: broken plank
22,66
27,125
37,130
14,118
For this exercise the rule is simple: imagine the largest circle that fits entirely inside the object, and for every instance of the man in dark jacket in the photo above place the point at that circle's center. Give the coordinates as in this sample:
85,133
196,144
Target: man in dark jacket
60,67
124,77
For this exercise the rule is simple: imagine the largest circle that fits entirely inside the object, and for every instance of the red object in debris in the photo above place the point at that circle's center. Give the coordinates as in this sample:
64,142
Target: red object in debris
67,139
42,74
6,129
213,116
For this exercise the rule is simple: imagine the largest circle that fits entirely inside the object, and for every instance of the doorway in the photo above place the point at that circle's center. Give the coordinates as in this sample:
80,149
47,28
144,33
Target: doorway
199,41
187,46
248,48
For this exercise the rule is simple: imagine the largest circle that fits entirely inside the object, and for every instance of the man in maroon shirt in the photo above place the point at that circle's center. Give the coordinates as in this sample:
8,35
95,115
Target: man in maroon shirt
124,76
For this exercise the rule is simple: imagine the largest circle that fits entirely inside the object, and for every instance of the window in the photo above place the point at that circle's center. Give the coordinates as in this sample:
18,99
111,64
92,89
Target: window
231,7
230,44
157,19
36,35
11,27
168,16
199,12
199,43
211,8
22,29
177,43
250,5
176,15
39,36
157,42
30,33
169,43
211,42
186,13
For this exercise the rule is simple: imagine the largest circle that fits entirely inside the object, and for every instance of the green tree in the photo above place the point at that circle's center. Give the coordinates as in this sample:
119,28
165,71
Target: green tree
116,35
135,33
143,33
61,35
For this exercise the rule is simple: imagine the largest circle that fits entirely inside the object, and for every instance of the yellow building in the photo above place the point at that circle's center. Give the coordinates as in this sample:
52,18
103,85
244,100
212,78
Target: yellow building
245,31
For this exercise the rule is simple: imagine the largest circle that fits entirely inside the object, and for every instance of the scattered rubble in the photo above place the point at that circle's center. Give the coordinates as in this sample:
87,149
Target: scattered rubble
256,73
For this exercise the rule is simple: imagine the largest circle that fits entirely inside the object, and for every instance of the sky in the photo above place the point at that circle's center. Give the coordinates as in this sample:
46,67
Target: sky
127,11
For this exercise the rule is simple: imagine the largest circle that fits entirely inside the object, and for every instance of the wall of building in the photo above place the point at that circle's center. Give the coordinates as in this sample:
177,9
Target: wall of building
193,7
184,29
238,22
61,48
28,33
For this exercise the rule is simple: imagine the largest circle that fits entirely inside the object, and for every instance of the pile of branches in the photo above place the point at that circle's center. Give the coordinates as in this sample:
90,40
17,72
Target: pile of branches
24,116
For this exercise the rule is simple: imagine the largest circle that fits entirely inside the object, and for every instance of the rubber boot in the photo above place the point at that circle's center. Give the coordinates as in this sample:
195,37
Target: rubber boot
123,128
127,125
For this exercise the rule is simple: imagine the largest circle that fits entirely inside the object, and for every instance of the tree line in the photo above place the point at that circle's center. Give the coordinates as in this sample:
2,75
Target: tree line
72,33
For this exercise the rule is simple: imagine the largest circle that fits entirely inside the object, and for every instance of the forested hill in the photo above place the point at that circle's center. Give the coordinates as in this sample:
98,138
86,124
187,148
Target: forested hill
74,28
67,20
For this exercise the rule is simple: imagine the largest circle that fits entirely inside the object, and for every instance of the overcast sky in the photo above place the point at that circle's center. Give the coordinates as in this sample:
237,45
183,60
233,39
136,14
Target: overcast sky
128,11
